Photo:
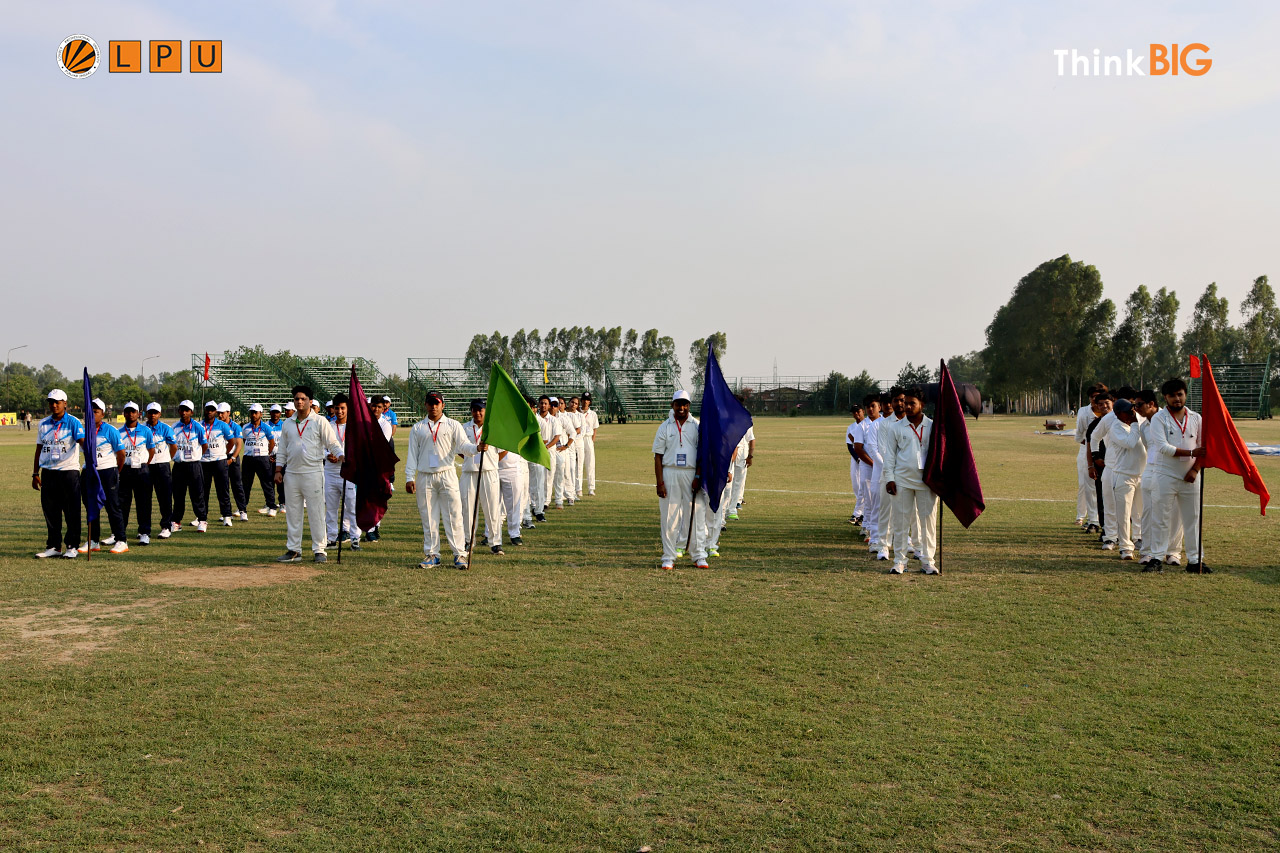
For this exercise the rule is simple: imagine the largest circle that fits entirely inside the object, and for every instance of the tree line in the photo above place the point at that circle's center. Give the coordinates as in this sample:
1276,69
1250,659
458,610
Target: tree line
27,387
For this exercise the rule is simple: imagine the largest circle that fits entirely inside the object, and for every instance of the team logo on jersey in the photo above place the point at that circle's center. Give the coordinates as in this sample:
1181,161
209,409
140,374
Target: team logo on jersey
78,56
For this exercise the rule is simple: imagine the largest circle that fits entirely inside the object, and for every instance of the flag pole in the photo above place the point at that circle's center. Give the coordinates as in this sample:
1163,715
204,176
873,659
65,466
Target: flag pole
475,511
1200,526
942,517
342,516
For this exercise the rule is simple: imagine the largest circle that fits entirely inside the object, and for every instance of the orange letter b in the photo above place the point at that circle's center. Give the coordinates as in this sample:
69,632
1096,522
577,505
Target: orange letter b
1159,60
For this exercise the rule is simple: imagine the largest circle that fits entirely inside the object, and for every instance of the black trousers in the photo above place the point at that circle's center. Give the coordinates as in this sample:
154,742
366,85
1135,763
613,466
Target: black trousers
189,477
262,468
60,498
237,485
162,482
110,478
135,487
215,474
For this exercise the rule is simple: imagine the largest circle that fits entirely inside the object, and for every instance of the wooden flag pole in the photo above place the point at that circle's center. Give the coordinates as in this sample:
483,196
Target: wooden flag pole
475,511
1200,527
342,516
942,517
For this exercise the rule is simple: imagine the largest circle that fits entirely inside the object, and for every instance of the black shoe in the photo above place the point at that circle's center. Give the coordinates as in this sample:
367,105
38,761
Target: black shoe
344,536
289,557
355,546
497,549
517,541
541,516
321,558
1092,528
484,540
371,535
1151,566
332,543
1199,568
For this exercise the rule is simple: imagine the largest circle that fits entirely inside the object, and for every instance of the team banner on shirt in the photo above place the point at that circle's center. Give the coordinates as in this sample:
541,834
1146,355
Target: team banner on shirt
721,425
368,460
1224,449
91,485
509,423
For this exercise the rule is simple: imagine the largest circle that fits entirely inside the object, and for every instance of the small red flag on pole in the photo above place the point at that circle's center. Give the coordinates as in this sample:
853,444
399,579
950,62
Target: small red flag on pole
206,367
1195,367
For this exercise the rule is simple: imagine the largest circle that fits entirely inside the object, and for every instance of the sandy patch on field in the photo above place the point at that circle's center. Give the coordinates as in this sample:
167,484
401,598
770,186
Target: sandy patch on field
233,577
69,631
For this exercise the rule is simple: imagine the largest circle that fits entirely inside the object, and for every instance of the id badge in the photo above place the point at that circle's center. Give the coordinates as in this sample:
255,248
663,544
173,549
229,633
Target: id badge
433,460
135,461
55,453
682,460
920,458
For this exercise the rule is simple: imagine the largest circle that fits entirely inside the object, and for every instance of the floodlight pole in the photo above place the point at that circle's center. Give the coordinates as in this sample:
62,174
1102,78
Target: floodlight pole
11,352
142,376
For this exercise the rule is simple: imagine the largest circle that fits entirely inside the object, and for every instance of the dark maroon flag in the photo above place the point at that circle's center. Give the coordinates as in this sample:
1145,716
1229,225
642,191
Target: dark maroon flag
949,468
369,461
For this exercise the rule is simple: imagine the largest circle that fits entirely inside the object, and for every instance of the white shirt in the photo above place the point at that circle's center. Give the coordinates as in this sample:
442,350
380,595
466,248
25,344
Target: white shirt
432,446
567,432
388,428
334,469
869,438
886,423
471,461
302,447
678,443
744,448
577,421
590,423
1126,452
903,449
1084,417
1167,434
1100,433
851,434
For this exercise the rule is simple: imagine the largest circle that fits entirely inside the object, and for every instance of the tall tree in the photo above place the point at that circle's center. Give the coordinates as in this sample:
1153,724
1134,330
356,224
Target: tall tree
1260,332
914,374
1130,349
966,368
1162,336
1210,329
698,355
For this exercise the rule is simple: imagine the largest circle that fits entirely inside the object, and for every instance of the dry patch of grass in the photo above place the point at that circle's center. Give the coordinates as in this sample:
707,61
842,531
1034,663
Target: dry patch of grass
233,577
68,632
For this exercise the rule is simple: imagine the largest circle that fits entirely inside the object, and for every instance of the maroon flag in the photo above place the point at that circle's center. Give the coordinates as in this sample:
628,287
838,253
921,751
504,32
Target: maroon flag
949,468
369,461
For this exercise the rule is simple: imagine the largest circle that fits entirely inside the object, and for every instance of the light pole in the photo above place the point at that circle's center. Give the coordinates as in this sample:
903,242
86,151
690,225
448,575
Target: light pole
11,352
142,378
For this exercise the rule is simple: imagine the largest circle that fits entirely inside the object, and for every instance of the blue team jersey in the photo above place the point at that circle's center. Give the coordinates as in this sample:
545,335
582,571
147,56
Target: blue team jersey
391,416
163,441
257,439
235,428
216,436
109,443
188,438
57,440
137,441
274,427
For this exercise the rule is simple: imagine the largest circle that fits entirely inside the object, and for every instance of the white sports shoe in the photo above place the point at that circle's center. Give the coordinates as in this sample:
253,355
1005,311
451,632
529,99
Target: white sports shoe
202,526
282,509
1126,555
272,513
1108,546
110,540
70,554
898,570
930,570
144,539
119,548
165,533
175,527
265,510
244,516
48,552
226,522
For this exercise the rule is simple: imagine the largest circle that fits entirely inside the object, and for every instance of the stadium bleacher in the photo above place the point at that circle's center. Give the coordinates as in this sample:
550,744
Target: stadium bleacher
241,380
1245,388
457,382
639,393
558,381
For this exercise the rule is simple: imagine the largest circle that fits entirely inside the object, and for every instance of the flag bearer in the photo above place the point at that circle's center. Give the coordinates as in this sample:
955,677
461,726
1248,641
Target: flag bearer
490,487
161,473
587,465
430,475
108,458
259,447
1127,457
135,476
56,476
188,475
675,468
219,440
305,439
335,486
1176,432
851,438
235,473
914,503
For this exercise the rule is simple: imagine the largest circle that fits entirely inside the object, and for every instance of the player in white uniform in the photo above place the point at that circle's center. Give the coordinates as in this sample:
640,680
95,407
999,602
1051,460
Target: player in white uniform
675,461
712,524
490,489
1147,407
866,451
513,479
741,462
851,438
1126,459
590,426
542,479
1176,434
302,445
885,517
430,474
1086,494
579,424
334,486
563,455
914,503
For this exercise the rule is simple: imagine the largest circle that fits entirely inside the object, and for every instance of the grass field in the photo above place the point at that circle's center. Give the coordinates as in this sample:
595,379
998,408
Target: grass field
570,696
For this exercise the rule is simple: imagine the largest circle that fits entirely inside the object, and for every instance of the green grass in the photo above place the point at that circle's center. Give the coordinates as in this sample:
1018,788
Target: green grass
571,696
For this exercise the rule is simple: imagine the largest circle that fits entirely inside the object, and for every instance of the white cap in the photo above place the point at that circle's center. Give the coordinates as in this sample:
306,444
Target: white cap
368,399
130,405
555,399
224,407
212,404
275,407
187,404
256,407
153,407
680,395
328,404
98,404
386,399
58,394
290,407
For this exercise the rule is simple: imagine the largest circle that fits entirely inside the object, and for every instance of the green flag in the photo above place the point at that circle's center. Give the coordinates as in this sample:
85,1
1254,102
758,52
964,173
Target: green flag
509,423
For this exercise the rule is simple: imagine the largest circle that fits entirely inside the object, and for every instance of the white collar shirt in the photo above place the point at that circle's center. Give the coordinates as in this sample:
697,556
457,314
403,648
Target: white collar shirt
302,445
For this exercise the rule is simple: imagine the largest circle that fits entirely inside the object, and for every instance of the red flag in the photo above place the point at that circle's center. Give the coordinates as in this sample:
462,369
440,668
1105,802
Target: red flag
369,461
949,468
1195,367
206,367
1223,447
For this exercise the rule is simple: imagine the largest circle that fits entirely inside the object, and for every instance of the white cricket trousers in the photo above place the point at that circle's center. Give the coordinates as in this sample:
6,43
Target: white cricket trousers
539,480
580,455
855,479
513,503
710,524
675,513
1108,506
438,501
565,467
299,489
589,465
739,485
866,489
1176,499
490,503
553,475
876,507
333,484
1086,494
1127,499
1149,521
914,509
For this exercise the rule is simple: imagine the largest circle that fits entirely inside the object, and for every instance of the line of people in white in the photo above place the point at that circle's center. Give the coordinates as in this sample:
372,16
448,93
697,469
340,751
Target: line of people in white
897,512
1137,470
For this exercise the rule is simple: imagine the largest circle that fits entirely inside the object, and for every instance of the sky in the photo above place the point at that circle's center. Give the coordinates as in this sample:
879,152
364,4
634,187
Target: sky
835,185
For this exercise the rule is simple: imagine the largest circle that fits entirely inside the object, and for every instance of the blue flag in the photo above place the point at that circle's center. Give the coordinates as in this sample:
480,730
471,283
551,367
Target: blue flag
91,486
723,423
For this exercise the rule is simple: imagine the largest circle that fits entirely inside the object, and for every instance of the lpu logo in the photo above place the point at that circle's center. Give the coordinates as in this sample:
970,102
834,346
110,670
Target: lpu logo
78,56
1161,60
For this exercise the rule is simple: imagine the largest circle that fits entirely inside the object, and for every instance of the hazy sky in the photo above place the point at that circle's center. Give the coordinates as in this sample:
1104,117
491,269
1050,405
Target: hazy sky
836,185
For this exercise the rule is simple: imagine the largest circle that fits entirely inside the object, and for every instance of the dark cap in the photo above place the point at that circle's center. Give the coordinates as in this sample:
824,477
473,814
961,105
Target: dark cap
434,397
1122,405
586,396
477,403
